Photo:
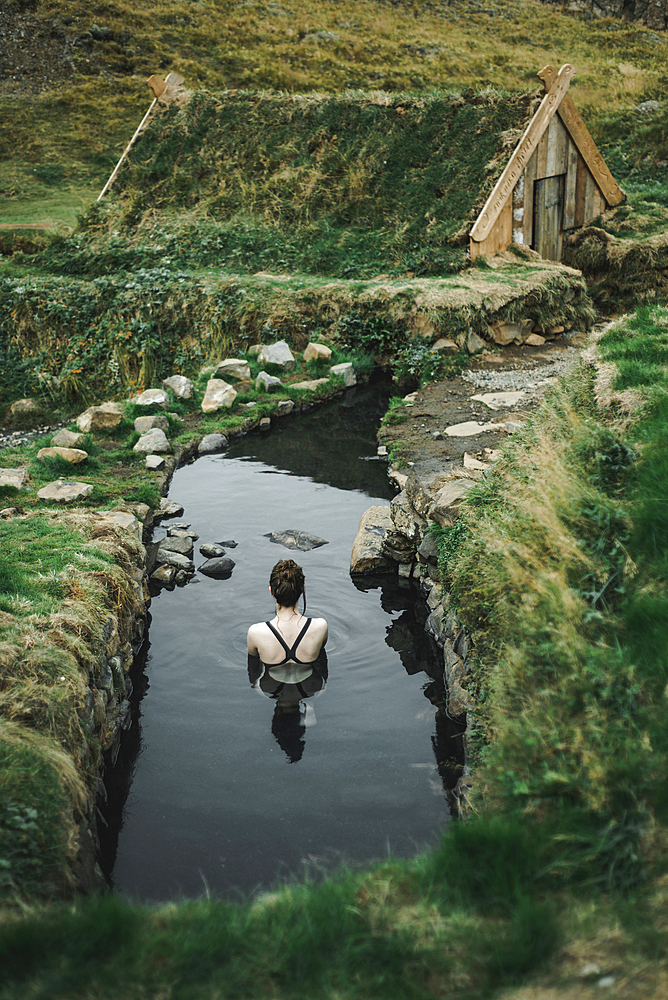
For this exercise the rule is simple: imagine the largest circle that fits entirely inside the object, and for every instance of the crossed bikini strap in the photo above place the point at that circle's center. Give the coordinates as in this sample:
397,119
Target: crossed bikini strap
290,654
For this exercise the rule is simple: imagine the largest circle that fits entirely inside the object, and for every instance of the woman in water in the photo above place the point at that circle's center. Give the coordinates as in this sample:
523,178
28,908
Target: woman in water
286,656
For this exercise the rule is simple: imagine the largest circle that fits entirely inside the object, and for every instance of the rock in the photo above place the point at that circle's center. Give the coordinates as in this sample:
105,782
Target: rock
153,442
152,397
244,387
64,491
181,386
270,383
218,394
155,462
471,428
506,333
513,425
211,443
163,574
535,340
219,569
181,578
13,477
176,559
285,406
66,439
346,371
176,543
73,455
428,550
474,343
123,519
443,344
423,482
473,463
495,400
265,423
277,354
648,107
445,508
159,420
22,406
293,539
212,551
99,418
310,384
179,525
317,352
169,508
398,477
7,512
381,451
233,368
405,518
176,532
229,543
255,349
554,331
367,557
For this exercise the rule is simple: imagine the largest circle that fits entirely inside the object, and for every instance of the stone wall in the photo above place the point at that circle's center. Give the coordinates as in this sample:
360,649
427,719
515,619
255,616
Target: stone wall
430,494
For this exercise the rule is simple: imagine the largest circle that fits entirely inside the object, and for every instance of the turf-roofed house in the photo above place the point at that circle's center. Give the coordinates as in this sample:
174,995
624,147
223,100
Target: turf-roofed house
351,184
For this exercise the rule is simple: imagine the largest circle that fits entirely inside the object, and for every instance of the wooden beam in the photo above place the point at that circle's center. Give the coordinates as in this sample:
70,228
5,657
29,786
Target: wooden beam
579,132
160,88
517,162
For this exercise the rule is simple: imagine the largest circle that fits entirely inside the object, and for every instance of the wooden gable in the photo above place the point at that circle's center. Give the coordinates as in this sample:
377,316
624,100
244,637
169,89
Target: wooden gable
556,180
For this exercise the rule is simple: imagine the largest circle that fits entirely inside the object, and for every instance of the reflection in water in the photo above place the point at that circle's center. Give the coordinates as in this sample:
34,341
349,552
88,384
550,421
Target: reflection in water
291,716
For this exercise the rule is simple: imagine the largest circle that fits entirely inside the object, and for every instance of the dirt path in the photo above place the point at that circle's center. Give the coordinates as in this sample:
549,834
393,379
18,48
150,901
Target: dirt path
418,432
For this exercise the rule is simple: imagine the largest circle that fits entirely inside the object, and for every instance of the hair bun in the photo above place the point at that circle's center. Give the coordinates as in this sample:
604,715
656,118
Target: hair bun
287,582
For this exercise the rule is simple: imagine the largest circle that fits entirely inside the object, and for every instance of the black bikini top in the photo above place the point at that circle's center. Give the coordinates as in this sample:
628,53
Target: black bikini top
290,654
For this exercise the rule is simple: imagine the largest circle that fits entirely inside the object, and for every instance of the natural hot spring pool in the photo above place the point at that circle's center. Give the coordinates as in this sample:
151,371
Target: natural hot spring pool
210,793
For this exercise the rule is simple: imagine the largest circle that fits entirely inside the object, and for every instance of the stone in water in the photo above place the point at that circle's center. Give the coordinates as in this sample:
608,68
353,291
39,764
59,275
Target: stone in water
293,539
219,569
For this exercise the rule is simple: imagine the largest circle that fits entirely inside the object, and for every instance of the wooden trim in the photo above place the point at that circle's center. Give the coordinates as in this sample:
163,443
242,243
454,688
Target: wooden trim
506,182
579,132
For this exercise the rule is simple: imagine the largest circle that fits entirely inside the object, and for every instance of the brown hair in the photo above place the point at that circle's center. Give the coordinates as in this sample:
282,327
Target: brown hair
287,583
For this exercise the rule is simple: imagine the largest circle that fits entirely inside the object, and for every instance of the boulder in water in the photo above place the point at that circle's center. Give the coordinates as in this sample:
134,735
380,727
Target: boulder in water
219,569
293,539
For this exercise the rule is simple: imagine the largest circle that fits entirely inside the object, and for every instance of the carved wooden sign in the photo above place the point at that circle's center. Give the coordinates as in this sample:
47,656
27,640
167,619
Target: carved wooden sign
518,161
579,133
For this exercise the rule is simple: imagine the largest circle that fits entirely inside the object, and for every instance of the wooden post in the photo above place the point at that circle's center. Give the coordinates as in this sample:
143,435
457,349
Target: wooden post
159,87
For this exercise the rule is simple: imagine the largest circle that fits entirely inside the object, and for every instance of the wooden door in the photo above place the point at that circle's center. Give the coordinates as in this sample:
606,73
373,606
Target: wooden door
548,214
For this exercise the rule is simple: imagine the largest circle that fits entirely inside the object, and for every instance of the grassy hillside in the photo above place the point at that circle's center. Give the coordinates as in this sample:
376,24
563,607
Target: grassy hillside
73,72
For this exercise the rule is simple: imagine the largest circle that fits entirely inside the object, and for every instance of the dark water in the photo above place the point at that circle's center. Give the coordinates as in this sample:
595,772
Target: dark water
225,796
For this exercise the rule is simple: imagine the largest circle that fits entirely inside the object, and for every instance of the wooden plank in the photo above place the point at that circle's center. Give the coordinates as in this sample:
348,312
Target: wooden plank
561,142
580,187
569,192
548,216
505,224
590,189
599,202
579,132
541,156
529,178
518,211
515,166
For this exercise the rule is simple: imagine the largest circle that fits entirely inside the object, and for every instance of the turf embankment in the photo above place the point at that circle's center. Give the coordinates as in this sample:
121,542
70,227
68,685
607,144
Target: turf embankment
558,566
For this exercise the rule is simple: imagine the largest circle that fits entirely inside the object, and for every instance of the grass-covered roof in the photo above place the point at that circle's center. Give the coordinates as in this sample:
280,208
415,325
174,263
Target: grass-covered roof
346,185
